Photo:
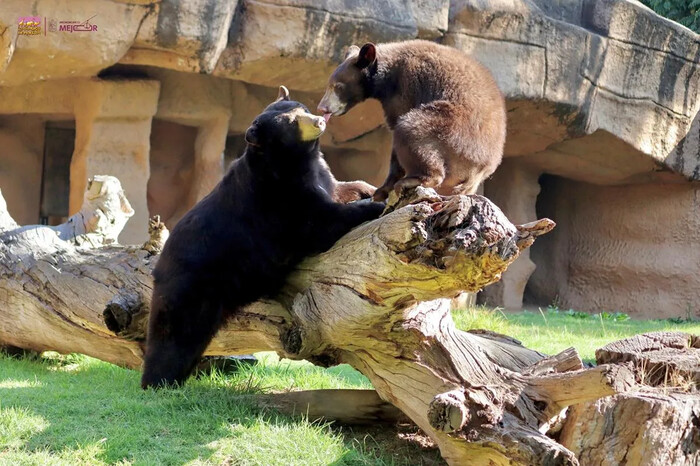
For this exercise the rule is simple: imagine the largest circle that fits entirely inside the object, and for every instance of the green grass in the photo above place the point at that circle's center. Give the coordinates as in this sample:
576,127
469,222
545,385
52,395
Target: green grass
551,330
77,410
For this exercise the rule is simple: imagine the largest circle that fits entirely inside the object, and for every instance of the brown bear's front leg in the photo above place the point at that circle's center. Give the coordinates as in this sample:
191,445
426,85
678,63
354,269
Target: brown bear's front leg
413,181
349,191
396,172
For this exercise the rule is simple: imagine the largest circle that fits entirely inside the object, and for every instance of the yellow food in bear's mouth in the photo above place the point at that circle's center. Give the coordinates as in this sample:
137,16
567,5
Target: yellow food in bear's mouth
311,127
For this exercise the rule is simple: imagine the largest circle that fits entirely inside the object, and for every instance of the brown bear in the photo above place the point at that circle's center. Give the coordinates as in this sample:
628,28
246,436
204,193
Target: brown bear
274,207
445,109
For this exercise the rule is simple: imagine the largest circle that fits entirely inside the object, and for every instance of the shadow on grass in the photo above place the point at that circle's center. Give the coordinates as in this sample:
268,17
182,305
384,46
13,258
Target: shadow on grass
382,445
88,411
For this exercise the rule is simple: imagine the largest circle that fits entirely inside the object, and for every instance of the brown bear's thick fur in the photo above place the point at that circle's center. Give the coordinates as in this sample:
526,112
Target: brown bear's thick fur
445,109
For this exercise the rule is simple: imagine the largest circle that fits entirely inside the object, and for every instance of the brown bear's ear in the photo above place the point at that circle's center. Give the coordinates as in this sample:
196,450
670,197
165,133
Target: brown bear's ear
283,94
251,136
351,51
367,55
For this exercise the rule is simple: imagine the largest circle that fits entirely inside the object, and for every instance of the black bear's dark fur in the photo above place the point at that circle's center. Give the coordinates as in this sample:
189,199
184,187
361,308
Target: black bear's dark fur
272,209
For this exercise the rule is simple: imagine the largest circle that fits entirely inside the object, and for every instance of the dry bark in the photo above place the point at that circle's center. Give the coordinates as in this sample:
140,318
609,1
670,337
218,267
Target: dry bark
643,428
661,359
657,426
376,300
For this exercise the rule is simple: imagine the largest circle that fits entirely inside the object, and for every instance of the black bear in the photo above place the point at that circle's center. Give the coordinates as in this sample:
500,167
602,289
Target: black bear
446,112
274,206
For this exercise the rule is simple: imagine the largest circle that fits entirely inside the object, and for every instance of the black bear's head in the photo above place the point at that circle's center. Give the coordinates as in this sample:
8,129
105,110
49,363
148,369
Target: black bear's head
285,124
348,85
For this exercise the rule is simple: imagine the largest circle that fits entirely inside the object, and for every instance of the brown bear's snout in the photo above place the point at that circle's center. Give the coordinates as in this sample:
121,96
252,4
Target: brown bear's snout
331,104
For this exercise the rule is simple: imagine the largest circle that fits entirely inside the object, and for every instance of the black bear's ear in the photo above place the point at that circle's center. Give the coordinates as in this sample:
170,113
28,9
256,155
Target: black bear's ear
251,135
367,55
283,94
351,51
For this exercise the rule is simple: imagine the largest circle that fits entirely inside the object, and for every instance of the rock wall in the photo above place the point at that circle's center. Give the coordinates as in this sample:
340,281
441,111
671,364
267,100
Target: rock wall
599,92
578,65
172,170
630,248
21,146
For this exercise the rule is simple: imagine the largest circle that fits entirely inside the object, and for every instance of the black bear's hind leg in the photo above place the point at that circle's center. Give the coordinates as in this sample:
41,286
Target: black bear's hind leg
177,338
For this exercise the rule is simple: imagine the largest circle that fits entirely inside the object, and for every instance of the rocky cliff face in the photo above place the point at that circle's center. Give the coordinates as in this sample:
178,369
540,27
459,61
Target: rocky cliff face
600,93
604,65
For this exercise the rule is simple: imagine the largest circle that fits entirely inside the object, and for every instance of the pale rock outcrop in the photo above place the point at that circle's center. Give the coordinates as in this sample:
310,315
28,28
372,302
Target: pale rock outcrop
112,135
298,42
607,65
64,55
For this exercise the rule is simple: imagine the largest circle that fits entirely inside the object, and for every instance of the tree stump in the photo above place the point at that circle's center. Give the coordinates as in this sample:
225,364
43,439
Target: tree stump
661,359
378,300
659,424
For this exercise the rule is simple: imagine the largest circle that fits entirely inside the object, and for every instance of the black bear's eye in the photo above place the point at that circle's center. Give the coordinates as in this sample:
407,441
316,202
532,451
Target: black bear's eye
338,86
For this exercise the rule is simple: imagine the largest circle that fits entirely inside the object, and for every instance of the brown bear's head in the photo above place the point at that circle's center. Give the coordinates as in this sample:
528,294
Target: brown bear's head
285,124
347,85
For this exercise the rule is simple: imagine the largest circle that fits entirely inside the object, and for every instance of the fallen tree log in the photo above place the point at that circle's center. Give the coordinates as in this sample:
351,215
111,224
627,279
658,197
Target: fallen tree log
376,300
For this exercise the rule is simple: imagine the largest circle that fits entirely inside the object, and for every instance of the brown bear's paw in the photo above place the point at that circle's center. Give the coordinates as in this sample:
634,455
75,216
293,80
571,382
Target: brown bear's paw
409,182
382,193
353,191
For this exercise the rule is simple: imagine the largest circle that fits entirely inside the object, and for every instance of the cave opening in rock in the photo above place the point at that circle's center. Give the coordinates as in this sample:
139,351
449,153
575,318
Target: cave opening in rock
550,256
172,164
626,247
35,156
59,145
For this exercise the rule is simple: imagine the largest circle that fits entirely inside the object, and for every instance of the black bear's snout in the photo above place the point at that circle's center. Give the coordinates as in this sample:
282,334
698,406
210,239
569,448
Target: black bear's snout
168,365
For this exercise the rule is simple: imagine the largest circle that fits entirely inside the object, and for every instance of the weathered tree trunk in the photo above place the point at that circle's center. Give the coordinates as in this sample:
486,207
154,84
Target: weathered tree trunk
660,426
660,359
376,300
640,429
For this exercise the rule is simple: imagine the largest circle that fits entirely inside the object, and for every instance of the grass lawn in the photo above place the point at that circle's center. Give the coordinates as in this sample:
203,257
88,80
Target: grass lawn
551,330
77,410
